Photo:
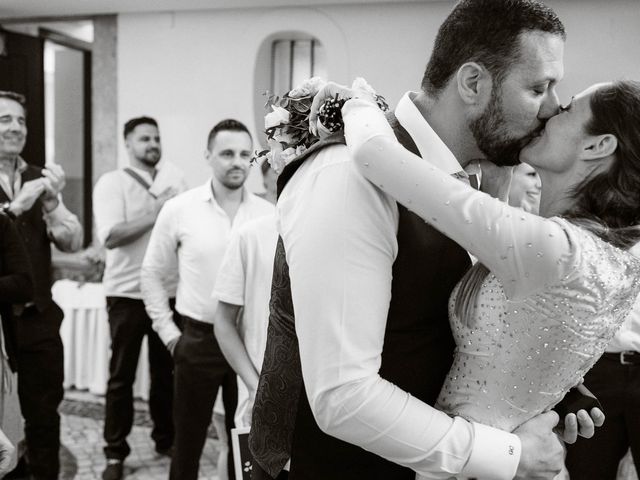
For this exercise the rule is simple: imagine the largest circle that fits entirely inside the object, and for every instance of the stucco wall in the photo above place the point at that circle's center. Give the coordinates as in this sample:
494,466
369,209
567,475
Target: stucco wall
193,69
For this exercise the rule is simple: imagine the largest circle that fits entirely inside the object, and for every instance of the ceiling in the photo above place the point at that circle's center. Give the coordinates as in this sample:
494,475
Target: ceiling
24,9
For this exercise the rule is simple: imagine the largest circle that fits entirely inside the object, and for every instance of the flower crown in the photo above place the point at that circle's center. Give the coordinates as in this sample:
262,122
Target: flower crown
287,123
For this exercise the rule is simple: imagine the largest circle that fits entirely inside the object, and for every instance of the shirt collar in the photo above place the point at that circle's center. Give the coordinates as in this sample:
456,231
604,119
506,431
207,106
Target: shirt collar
158,167
206,193
426,139
20,165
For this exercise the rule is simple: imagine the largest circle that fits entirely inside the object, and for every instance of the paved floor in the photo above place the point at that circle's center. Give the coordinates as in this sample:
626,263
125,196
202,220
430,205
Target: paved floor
81,434
81,454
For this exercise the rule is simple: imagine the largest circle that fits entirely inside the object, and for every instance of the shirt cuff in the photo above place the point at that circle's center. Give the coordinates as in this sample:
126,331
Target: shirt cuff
168,331
56,215
495,454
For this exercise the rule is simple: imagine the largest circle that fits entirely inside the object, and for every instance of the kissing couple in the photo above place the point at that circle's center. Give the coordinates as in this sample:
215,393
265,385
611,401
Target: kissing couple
388,354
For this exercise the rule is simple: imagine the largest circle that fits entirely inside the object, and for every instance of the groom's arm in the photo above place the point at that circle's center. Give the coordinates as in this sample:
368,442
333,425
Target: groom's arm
340,237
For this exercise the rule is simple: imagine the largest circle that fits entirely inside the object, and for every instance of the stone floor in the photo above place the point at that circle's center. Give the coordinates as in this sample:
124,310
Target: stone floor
82,458
81,435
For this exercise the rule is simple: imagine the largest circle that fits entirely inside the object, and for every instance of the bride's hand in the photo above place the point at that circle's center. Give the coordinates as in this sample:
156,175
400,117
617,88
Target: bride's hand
329,91
581,425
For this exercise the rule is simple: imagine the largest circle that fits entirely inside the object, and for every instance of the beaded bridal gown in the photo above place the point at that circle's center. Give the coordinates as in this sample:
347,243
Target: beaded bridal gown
554,298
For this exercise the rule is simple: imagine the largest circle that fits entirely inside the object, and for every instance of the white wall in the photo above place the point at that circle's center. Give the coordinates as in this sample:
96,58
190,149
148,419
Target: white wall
192,69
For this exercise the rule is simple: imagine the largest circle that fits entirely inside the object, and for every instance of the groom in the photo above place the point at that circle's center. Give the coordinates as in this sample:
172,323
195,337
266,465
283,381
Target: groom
347,391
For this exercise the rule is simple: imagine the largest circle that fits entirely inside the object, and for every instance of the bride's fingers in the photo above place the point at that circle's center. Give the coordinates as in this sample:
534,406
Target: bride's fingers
569,431
330,90
587,425
597,416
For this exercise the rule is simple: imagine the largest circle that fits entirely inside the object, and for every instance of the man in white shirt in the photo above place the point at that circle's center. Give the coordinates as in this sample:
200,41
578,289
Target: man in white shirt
126,203
615,381
370,281
243,288
192,234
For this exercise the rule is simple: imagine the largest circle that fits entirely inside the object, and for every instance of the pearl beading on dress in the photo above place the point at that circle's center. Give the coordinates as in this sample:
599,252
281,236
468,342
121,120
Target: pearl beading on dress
519,358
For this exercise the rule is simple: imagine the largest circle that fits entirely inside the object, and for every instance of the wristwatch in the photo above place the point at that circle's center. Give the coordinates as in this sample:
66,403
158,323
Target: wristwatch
6,209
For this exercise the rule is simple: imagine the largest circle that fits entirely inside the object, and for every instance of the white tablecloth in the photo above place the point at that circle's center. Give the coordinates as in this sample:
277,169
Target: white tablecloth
85,336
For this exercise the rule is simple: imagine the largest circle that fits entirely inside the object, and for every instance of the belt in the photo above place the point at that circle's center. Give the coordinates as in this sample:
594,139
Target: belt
624,358
199,325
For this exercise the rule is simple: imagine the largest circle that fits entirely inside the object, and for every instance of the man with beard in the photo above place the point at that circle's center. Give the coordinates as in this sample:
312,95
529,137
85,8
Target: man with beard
192,234
31,197
126,203
359,342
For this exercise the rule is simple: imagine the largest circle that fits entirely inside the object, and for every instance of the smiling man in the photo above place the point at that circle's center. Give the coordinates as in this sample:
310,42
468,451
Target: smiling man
31,197
126,203
192,233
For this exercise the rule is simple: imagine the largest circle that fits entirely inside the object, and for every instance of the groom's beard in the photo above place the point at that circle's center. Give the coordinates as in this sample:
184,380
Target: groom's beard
490,131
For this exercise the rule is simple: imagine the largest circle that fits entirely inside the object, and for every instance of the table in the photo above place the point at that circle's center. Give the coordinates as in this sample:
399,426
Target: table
85,336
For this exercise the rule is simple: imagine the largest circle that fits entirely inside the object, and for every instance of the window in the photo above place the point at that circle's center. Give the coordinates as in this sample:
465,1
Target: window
293,61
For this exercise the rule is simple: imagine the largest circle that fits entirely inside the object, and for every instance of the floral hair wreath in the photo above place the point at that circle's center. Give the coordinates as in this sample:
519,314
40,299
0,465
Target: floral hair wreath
287,123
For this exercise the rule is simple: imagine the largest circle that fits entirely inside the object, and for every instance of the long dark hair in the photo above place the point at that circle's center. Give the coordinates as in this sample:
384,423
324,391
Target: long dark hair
607,203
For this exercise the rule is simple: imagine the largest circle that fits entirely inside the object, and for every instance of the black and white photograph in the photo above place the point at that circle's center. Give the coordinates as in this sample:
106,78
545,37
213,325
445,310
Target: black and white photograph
320,239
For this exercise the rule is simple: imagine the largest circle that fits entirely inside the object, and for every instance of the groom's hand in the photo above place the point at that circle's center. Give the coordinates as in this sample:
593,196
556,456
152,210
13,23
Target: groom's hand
542,451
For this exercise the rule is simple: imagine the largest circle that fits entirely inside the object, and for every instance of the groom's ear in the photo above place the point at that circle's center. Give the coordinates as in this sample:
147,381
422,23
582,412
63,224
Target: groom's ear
474,82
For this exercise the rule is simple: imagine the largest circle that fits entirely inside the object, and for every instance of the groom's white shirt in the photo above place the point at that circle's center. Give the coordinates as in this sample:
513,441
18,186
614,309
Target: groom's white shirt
339,233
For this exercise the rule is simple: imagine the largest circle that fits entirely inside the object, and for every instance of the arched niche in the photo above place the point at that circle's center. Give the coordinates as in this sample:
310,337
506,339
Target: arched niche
295,24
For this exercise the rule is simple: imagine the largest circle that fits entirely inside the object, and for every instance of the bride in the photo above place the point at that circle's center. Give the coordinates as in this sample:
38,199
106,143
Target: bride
549,292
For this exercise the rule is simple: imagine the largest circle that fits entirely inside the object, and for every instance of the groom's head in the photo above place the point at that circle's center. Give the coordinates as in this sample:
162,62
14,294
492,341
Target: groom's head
501,60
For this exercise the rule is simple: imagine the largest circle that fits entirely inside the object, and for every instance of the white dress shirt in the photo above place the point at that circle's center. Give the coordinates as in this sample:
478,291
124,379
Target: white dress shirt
628,337
117,198
244,279
191,234
339,233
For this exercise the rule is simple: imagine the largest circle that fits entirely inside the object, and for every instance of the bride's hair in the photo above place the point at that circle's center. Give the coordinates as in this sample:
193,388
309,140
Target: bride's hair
607,203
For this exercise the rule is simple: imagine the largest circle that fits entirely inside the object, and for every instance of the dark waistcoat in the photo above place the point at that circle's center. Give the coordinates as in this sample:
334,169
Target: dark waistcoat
33,230
416,356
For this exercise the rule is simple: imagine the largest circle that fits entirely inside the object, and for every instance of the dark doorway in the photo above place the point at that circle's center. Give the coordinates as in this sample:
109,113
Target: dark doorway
22,71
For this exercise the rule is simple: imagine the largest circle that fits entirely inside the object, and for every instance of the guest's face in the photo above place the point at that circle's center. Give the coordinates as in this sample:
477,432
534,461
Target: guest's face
525,98
525,188
561,143
13,128
143,144
229,156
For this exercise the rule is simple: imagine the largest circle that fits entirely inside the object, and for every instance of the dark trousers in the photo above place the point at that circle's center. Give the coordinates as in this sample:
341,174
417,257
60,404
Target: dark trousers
200,370
129,323
617,387
40,376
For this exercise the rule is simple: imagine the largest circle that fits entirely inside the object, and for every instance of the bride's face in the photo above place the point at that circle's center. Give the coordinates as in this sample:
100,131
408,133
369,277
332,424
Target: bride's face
560,144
